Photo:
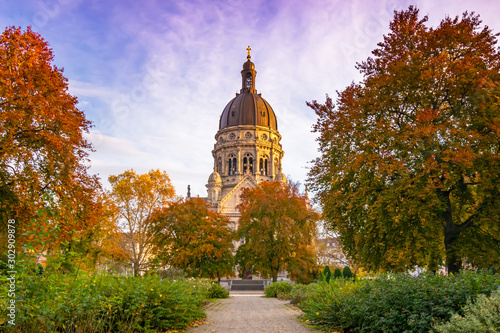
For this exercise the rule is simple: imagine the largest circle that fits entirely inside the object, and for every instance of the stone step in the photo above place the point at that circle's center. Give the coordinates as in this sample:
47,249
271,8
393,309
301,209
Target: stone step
248,282
242,287
247,285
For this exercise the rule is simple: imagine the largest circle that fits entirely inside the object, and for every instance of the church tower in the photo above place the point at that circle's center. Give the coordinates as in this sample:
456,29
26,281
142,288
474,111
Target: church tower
247,149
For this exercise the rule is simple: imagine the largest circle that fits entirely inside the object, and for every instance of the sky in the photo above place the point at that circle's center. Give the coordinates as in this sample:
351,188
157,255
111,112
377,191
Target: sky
153,76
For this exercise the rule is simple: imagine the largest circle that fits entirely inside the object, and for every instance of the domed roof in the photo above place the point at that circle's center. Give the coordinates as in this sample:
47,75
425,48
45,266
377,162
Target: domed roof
215,178
248,65
281,178
248,109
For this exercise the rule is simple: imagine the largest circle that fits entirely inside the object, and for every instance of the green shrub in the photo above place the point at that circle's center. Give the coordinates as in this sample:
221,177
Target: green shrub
101,303
321,277
327,274
394,303
337,273
284,295
324,303
481,317
301,292
346,272
273,289
217,291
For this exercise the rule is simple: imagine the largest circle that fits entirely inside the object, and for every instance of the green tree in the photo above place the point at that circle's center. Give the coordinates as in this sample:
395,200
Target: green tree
346,272
43,151
327,274
337,273
278,228
409,171
135,198
191,236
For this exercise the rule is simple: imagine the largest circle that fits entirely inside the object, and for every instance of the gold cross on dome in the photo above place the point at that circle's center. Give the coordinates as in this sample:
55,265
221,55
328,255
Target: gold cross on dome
249,49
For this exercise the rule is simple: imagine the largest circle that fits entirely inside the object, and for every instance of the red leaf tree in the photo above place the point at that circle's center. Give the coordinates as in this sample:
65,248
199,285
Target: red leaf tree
42,145
192,237
279,230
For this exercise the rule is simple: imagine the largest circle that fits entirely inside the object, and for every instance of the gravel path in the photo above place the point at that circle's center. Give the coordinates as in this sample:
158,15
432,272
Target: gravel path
245,313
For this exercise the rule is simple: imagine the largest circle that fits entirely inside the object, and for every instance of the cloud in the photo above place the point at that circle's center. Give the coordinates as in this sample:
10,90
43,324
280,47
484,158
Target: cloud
154,76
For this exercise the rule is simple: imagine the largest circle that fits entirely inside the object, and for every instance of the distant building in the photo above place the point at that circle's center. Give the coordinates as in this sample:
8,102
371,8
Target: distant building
329,253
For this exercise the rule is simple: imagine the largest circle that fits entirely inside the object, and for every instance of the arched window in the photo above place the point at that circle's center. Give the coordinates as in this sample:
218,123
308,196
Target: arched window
232,166
248,163
248,80
263,167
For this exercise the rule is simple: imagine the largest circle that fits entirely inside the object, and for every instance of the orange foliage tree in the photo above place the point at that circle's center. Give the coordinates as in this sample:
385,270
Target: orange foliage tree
409,172
192,237
279,230
42,148
106,249
136,197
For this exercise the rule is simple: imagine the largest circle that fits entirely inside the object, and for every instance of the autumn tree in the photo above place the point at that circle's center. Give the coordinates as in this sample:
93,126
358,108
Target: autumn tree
136,197
192,237
106,236
42,146
278,228
409,172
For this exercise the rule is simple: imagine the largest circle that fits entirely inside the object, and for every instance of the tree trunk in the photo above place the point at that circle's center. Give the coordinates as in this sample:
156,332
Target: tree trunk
247,273
136,269
451,234
453,260
275,271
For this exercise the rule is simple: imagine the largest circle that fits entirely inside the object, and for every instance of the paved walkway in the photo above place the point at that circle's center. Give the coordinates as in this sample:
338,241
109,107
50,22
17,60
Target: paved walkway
250,312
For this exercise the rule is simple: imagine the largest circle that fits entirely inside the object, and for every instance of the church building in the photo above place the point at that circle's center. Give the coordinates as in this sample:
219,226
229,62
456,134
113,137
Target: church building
247,149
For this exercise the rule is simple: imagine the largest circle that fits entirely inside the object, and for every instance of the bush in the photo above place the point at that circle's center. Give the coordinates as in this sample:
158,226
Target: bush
481,317
101,303
327,274
397,303
337,273
217,291
301,292
324,301
347,272
284,295
275,288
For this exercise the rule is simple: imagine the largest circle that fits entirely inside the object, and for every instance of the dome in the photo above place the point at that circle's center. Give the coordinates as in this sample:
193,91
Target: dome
281,178
215,178
248,65
248,109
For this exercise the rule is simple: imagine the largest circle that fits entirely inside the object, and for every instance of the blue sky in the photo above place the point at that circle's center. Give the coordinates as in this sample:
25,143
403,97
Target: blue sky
154,76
